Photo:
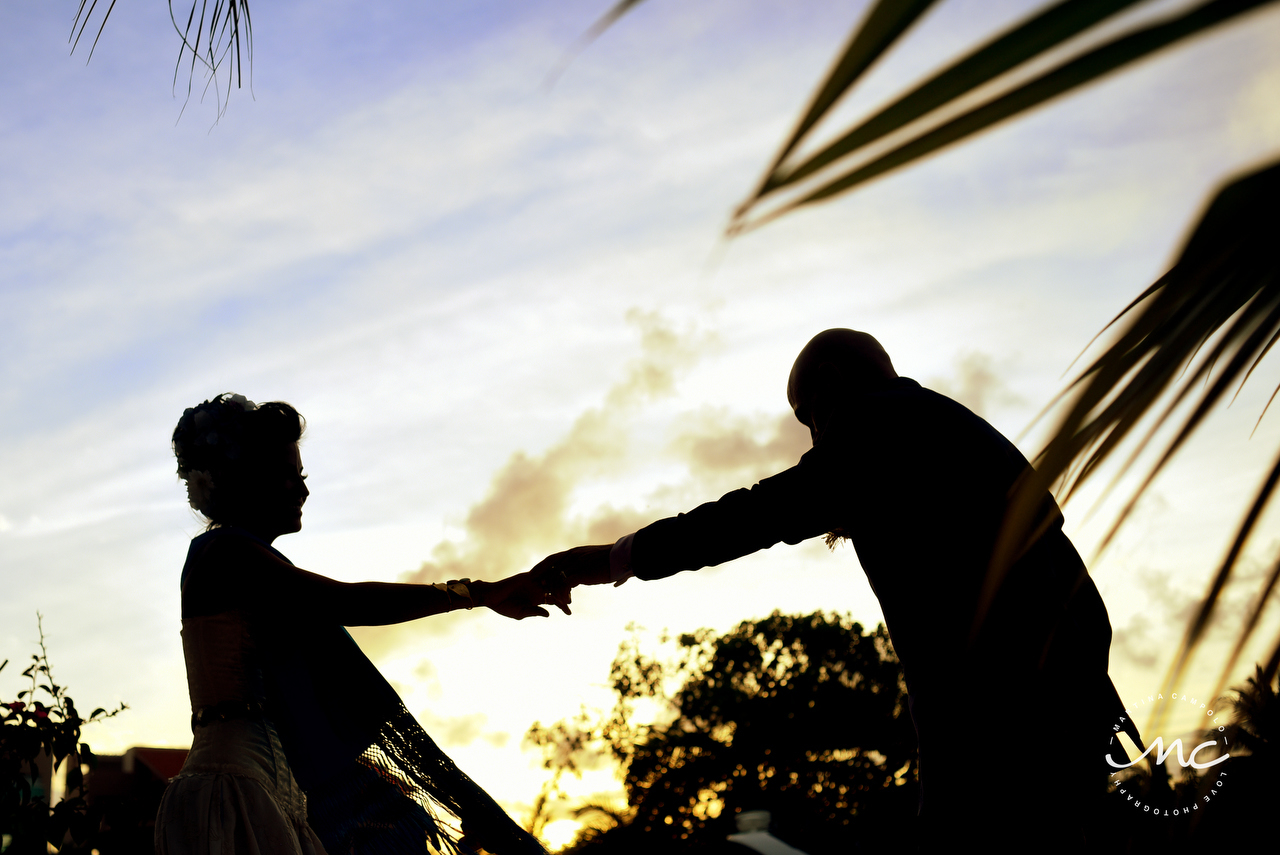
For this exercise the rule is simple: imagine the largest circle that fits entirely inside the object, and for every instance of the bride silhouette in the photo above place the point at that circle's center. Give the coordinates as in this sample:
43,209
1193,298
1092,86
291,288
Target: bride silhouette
299,746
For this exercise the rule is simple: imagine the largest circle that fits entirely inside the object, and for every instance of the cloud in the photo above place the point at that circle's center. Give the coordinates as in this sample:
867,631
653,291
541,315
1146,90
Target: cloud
720,442
529,512
976,385
725,451
1134,642
526,512
1172,607
1255,123
460,730
427,677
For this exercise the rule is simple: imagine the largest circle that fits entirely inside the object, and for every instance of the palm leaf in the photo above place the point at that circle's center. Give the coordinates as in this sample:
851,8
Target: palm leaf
1005,54
607,20
1250,624
82,21
1040,33
881,27
1190,337
223,33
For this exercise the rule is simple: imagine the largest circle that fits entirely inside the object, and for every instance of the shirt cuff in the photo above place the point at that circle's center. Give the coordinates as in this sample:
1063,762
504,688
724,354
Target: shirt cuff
620,560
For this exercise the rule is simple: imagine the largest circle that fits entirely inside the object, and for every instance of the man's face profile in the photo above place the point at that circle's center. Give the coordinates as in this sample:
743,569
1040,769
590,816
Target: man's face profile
806,407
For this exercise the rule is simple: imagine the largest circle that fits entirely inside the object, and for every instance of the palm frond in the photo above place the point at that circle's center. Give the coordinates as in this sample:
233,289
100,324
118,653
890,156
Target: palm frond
1250,624
930,102
1190,337
880,28
607,20
223,34
216,32
82,21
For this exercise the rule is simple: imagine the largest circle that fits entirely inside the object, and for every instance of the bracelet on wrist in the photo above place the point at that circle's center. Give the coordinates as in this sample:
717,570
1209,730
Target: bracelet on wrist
456,588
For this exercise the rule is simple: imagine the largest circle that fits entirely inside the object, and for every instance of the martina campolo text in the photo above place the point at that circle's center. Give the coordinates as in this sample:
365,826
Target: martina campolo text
1217,742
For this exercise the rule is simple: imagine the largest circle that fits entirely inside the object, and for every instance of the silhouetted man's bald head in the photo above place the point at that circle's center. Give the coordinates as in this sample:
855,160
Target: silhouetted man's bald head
835,361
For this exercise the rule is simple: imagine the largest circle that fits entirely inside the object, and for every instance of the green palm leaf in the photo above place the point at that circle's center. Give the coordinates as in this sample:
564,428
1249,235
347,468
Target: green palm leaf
1038,34
881,27
1193,335
1033,38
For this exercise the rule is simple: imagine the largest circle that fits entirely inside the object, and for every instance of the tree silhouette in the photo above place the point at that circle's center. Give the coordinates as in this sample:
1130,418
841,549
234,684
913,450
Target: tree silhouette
802,715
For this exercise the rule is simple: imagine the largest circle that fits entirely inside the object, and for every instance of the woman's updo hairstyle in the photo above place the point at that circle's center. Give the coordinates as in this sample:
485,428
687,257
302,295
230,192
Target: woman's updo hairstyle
222,442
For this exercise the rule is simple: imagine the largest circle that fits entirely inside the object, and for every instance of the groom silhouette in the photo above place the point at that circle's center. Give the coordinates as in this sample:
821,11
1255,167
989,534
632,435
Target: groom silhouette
999,689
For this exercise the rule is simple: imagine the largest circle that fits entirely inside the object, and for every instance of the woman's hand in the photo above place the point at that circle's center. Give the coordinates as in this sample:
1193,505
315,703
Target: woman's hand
519,596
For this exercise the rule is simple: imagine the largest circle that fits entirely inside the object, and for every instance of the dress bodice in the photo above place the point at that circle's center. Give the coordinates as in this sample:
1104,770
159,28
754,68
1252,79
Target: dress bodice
224,669
223,662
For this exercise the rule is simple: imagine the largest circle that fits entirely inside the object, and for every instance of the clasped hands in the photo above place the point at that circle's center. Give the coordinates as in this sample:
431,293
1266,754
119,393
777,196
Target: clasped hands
548,583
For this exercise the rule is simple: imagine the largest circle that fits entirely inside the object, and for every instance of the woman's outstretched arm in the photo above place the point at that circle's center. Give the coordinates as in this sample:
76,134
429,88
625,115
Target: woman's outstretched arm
236,573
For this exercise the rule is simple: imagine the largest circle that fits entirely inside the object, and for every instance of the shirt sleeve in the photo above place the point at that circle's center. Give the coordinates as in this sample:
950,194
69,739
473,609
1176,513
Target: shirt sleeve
620,560
787,508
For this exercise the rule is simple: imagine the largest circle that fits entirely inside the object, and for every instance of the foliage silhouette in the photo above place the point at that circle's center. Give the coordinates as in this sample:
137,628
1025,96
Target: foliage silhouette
34,733
803,715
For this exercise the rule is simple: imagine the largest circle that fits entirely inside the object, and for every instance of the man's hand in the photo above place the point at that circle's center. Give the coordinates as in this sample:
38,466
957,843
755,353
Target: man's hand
582,565
519,596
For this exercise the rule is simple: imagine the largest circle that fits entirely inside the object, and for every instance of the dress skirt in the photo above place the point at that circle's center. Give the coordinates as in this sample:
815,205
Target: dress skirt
235,796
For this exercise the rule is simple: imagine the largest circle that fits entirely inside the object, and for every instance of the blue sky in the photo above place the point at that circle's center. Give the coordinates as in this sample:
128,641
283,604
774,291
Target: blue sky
460,278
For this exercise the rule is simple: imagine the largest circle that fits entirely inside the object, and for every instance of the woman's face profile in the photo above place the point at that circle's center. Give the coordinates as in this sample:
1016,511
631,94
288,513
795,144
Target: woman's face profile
273,501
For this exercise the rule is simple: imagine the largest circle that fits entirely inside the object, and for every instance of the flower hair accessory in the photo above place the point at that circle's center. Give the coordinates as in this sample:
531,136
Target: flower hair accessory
209,436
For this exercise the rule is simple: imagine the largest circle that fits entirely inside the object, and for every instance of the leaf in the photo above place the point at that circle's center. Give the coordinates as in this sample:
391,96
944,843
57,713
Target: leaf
882,26
228,28
75,778
1216,311
1071,74
1040,33
607,20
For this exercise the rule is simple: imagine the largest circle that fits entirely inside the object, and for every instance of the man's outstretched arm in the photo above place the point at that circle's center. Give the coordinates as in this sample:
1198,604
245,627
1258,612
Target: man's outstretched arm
789,507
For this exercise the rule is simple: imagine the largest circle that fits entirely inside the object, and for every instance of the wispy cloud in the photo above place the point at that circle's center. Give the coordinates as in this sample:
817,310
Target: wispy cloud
725,450
976,385
527,510
456,731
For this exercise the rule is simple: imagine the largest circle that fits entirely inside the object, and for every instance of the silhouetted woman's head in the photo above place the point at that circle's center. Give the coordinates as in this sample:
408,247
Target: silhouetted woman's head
240,463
